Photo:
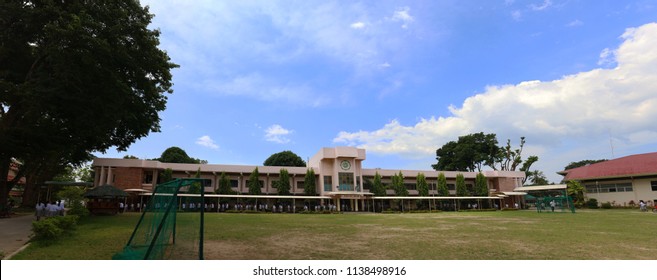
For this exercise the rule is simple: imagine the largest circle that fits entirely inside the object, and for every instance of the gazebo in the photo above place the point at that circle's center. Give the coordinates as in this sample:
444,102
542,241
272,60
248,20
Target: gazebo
104,200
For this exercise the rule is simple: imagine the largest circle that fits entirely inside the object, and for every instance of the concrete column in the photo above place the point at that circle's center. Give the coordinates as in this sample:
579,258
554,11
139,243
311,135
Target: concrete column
155,174
110,179
102,176
97,178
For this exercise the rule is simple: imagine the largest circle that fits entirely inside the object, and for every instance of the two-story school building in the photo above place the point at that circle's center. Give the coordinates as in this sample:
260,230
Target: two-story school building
340,177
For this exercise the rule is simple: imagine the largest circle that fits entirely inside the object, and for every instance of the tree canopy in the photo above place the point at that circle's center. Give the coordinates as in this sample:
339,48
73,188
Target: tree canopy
582,163
177,155
285,158
76,77
469,153
472,152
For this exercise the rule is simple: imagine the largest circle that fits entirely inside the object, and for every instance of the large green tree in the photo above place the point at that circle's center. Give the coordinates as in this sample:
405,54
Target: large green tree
76,77
177,155
469,153
537,178
472,152
285,158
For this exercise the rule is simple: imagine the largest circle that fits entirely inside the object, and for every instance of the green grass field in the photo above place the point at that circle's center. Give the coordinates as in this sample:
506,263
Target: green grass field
588,234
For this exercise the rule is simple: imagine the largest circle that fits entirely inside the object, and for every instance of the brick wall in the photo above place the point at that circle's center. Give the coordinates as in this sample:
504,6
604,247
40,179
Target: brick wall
127,178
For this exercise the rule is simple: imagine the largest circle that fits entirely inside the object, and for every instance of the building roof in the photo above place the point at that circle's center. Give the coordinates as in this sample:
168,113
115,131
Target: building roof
540,188
629,166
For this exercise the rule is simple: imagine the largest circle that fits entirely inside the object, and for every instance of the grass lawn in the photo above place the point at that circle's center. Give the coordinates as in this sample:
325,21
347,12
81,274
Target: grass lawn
588,234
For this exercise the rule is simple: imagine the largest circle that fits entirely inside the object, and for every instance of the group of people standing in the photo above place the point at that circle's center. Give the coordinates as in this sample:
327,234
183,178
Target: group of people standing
130,207
50,209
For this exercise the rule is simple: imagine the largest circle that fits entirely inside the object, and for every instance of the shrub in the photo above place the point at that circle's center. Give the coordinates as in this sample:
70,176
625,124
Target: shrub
592,203
79,210
46,230
66,223
51,229
606,205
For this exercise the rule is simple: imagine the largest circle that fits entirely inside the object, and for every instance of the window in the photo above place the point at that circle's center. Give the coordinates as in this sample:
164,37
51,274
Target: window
410,186
451,187
607,188
328,182
234,183
346,181
653,186
148,177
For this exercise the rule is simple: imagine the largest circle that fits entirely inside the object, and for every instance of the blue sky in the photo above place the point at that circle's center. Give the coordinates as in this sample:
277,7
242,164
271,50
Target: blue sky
402,78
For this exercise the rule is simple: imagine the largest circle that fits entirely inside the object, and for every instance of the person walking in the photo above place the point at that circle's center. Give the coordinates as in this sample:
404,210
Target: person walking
39,210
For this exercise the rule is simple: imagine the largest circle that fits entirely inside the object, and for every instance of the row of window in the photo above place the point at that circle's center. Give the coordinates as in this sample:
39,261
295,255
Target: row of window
609,188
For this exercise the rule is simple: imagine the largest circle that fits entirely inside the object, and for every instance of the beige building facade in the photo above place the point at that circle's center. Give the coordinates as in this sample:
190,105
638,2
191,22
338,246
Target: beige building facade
339,176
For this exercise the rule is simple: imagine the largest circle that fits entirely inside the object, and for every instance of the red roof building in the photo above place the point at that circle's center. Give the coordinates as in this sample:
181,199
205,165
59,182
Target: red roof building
621,181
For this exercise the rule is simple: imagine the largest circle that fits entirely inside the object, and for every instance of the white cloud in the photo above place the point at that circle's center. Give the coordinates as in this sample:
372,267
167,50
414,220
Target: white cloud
575,23
607,57
516,15
546,4
277,134
579,108
357,25
262,88
403,15
206,141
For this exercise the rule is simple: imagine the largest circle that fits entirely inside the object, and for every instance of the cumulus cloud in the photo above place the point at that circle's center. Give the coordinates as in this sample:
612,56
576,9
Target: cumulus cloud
403,15
206,141
578,107
607,57
277,134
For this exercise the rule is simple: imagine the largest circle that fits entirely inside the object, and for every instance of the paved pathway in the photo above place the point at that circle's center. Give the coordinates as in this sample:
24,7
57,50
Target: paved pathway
14,233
